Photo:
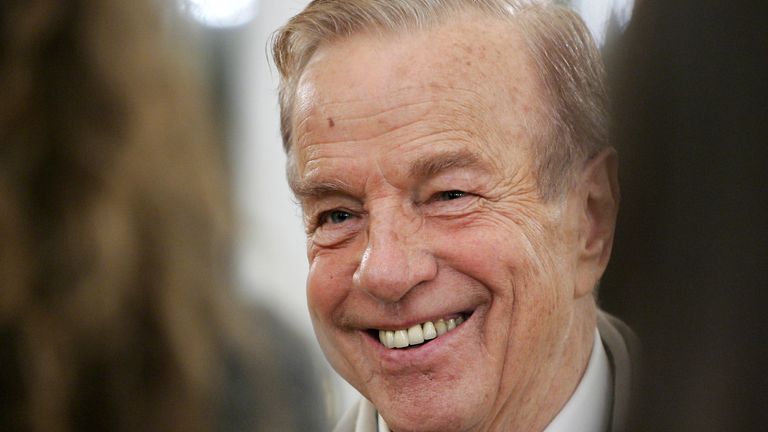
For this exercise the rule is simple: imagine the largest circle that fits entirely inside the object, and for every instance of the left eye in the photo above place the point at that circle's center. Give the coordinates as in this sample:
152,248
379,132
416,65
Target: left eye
450,195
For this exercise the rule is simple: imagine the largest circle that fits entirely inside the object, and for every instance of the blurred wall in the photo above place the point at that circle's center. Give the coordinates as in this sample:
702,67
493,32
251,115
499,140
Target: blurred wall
271,263
690,265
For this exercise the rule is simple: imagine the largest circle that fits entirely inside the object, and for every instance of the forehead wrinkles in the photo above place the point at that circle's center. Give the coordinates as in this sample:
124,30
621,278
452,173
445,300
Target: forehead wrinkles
317,109
325,121
401,122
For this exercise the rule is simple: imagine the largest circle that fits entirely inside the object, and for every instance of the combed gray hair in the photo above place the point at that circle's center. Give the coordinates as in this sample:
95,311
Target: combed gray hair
558,41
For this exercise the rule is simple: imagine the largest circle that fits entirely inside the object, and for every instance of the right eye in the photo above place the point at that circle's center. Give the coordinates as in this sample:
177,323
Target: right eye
335,217
332,227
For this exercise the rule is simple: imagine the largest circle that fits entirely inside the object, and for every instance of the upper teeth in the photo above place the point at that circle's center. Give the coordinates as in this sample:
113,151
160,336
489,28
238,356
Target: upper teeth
418,333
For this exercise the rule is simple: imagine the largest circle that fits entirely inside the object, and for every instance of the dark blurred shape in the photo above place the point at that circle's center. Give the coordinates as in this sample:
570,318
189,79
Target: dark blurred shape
116,311
690,265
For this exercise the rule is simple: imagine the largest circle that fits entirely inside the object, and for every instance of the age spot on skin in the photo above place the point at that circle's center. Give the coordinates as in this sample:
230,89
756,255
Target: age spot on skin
331,123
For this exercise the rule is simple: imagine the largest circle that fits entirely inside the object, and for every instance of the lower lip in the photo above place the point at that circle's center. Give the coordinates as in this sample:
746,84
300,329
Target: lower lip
431,352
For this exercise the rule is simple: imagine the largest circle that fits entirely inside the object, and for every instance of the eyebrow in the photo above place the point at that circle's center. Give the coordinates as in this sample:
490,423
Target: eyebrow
422,168
312,189
433,164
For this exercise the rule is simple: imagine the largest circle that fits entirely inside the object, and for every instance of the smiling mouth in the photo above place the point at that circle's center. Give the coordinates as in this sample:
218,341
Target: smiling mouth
418,334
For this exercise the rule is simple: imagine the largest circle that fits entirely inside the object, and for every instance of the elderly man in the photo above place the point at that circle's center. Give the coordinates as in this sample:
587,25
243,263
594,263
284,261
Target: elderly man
459,194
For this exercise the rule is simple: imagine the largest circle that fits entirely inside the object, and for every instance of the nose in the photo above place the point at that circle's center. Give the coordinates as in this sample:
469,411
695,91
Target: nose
396,258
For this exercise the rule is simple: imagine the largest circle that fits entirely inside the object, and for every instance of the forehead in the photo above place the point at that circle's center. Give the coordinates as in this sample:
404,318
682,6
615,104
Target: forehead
468,82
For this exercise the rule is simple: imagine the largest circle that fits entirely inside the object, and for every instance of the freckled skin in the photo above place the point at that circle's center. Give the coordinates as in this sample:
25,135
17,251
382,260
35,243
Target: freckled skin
396,251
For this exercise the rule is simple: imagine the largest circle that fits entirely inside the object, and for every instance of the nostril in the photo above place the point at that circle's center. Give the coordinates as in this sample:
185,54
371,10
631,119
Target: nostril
389,272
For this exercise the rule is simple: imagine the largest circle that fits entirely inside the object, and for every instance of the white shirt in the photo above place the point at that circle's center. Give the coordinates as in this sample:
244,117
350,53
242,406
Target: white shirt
589,408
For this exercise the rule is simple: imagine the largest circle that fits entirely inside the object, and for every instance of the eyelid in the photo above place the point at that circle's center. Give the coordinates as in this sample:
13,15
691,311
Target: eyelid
463,193
435,206
437,196
318,208
323,233
326,214
319,220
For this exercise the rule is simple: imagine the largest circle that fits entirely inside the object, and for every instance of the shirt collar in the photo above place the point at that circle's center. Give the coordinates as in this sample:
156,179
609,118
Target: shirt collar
589,408
382,424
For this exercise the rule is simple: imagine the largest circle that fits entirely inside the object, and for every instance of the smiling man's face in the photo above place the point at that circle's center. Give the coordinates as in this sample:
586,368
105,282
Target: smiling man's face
413,167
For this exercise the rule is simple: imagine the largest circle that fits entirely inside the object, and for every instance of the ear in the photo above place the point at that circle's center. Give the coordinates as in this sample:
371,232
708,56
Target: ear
598,193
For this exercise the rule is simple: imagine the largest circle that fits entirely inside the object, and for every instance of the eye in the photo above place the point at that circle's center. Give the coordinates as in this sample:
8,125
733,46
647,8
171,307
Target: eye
335,217
450,195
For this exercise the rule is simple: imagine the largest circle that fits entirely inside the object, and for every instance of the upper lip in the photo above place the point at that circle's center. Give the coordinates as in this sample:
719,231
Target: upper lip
404,324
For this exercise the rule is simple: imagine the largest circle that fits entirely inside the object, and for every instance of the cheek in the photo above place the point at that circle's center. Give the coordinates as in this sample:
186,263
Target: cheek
322,288
516,269
495,254
328,283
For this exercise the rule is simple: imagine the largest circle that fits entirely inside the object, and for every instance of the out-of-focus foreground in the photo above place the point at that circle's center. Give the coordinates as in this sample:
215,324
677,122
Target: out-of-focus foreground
117,310
690,265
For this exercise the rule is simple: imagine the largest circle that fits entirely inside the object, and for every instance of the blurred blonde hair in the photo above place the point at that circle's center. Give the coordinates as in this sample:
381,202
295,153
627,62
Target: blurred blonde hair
114,219
557,38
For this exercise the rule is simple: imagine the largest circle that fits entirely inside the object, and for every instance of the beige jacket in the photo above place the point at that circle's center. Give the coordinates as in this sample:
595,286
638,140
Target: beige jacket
620,345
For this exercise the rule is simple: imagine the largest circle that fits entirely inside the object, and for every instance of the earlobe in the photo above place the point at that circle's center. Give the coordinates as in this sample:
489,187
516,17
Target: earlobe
599,194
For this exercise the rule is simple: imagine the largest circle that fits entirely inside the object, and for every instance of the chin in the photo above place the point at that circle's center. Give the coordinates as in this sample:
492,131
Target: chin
425,420
431,405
